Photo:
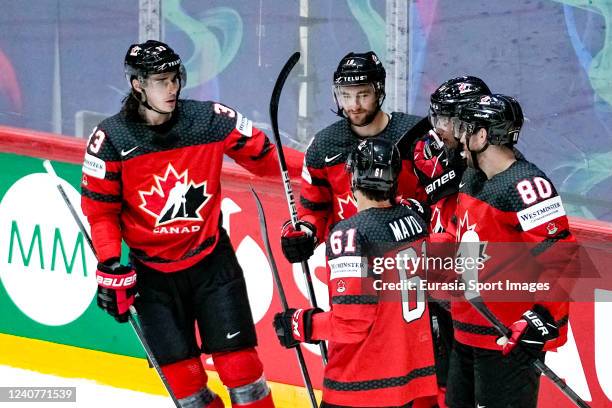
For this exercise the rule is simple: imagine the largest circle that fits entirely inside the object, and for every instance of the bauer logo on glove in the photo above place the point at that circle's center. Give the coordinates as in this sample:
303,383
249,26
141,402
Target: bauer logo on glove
116,282
530,334
116,288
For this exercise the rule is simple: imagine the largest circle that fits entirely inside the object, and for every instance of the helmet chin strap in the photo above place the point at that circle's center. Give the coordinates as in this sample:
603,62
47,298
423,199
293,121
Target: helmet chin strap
148,106
474,153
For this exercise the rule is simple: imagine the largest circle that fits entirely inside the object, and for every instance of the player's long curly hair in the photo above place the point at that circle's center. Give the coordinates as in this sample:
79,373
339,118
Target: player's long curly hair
130,107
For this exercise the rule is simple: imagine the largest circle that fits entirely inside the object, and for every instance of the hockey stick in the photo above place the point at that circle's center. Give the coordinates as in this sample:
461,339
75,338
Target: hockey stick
133,313
281,293
274,100
478,303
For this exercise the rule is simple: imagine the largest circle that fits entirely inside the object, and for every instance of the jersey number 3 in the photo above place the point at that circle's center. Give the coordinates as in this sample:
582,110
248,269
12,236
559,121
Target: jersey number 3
95,142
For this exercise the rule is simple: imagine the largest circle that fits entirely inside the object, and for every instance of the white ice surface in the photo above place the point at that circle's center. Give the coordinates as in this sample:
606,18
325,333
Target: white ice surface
89,394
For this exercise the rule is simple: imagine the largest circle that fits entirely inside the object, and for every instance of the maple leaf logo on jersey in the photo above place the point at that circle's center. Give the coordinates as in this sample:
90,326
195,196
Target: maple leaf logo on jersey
436,221
471,244
465,227
174,197
347,205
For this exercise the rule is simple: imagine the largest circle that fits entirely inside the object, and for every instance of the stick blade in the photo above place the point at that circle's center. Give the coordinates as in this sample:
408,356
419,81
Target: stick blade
278,88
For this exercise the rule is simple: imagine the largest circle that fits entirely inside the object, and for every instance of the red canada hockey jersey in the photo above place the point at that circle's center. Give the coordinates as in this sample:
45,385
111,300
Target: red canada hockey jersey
518,205
158,187
326,196
380,343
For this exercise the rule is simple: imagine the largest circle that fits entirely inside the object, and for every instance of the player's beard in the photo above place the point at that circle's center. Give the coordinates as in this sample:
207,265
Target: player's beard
367,119
449,140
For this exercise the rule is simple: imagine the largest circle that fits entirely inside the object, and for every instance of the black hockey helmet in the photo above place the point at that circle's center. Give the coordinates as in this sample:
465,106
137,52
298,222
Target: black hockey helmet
374,165
500,115
446,101
449,96
360,69
152,57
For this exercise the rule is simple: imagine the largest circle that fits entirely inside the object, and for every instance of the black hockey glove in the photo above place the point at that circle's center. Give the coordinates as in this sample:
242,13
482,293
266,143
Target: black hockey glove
116,288
530,334
298,243
435,168
295,326
422,209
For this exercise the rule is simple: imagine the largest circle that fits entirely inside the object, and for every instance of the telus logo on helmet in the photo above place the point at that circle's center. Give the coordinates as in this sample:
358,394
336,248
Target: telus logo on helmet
167,65
352,78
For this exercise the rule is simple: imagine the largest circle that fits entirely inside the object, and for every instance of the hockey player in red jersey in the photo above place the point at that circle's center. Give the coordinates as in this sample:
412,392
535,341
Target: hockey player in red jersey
380,345
439,168
497,196
151,177
436,154
326,197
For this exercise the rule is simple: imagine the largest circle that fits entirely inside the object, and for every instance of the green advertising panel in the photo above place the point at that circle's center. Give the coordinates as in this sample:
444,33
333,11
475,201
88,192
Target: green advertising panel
47,270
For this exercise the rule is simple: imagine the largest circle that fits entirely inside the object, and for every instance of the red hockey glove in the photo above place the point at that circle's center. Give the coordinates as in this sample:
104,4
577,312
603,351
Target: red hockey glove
294,326
298,244
530,334
430,157
116,288
438,169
